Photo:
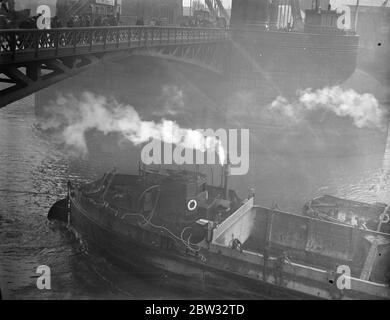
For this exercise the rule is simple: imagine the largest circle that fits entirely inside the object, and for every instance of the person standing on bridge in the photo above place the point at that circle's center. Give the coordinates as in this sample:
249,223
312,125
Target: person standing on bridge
4,22
70,22
56,23
30,23
26,24
82,21
106,21
139,22
112,21
87,21
77,22
97,22
4,5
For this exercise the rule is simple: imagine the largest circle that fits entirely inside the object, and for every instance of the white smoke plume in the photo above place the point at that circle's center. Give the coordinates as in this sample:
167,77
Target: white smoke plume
363,109
75,117
172,100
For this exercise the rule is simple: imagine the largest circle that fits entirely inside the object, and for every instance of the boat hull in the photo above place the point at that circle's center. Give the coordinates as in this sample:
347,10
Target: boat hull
184,270
216,269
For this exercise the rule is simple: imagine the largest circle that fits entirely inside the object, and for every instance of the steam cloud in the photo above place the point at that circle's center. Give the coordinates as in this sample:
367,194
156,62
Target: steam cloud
364,109
75,117
172,101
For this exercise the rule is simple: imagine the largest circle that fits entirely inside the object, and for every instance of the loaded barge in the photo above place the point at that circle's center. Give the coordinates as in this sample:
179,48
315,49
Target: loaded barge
175,223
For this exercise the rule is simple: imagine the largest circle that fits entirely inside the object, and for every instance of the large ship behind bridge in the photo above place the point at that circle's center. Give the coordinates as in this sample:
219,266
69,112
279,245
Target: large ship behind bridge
277,47
284,47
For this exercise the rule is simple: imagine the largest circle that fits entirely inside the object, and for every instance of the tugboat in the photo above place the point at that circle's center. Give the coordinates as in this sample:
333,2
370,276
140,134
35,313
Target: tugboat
174,222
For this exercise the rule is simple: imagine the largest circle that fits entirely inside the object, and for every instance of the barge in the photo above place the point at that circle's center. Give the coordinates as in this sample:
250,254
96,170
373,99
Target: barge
174,223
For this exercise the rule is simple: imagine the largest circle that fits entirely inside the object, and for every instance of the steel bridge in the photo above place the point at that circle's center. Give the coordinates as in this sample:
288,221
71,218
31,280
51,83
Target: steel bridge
31,60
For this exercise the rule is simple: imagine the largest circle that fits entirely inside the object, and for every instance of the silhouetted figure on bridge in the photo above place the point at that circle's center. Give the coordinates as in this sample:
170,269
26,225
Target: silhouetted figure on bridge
139,22
106,21
82,21
87,21
30,23
5,23
77,22
97,22
56,23
112,21
70,22
4,5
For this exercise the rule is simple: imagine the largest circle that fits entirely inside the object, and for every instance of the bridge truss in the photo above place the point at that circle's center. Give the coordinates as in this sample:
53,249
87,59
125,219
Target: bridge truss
31,60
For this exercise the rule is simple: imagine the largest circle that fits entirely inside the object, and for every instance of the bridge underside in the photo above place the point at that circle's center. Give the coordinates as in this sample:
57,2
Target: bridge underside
31,60
24,78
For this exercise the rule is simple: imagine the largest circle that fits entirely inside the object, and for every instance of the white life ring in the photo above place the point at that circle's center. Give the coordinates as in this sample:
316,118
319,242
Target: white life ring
192,205
384,218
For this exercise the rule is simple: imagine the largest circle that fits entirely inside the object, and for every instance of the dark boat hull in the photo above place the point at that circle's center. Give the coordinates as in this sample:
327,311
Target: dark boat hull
184,270
217,267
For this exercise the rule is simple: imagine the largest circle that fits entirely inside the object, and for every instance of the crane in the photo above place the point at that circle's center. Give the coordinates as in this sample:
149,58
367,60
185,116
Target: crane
213,8
222,10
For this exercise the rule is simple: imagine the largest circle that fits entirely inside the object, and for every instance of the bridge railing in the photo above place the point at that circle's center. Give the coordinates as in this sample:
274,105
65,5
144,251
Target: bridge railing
66,41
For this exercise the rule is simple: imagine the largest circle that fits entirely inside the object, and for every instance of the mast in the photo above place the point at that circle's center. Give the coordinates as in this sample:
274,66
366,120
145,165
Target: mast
196,178
356,14
296,11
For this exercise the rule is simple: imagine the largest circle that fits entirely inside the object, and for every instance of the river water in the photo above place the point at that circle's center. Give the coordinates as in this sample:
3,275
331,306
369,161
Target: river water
33,175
